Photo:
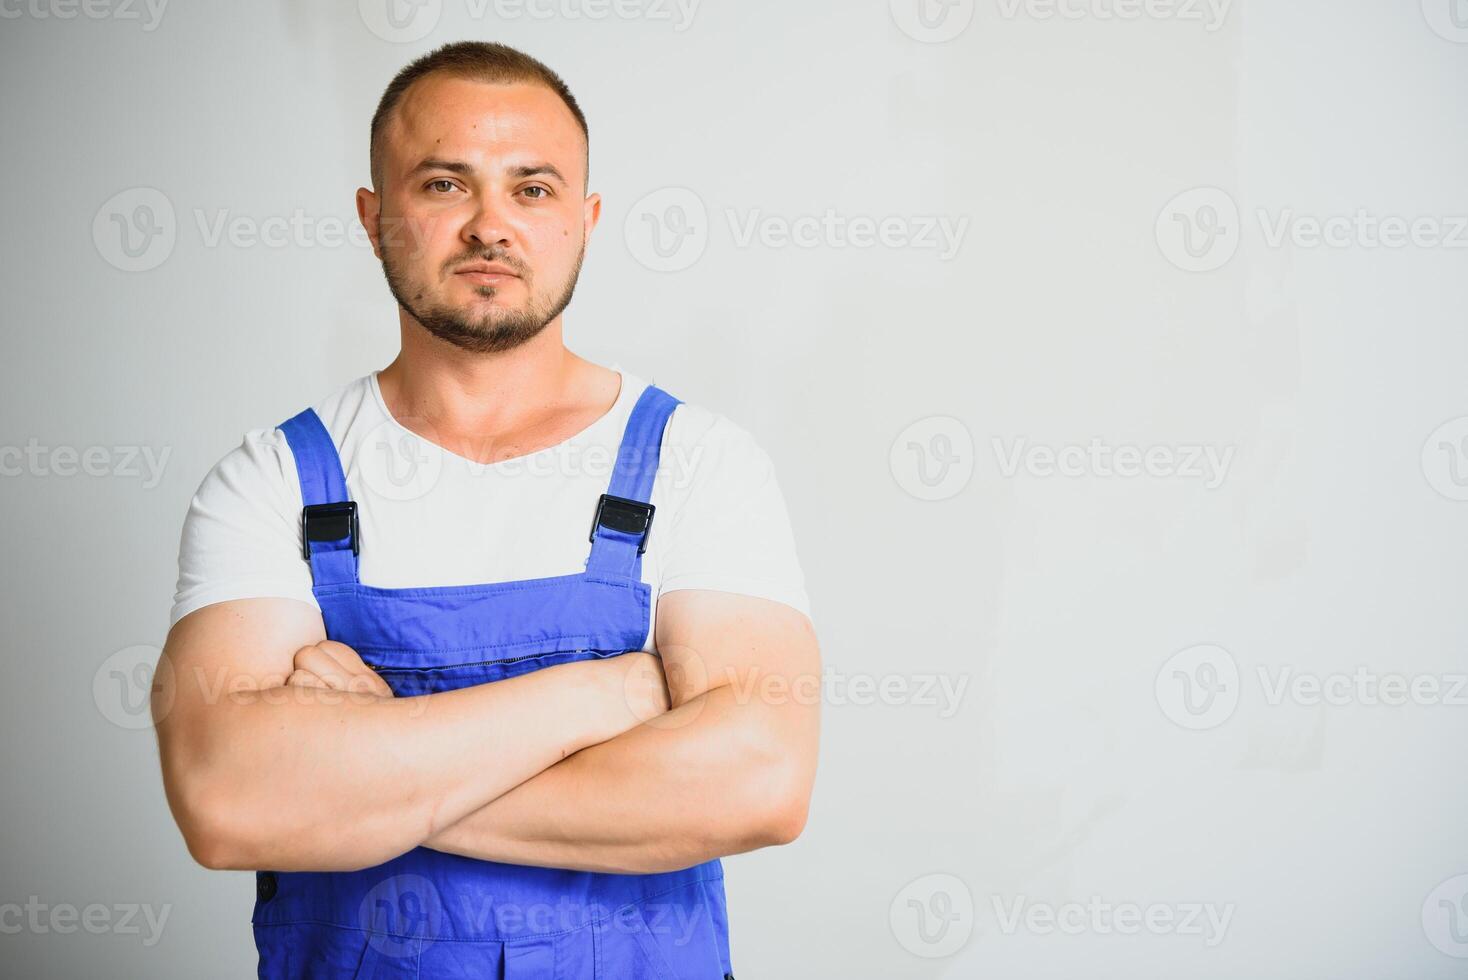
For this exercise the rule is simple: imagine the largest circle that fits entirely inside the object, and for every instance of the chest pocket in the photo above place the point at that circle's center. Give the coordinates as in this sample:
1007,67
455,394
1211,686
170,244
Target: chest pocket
441,639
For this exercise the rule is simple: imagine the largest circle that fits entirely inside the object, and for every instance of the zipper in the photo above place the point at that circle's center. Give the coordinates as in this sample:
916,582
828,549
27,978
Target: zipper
483,663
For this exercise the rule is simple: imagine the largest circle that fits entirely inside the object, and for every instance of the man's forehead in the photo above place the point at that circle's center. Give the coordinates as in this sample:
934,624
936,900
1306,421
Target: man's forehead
447,115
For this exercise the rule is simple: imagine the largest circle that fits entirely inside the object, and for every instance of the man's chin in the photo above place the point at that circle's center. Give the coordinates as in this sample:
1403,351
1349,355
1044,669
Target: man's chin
475,333
488,314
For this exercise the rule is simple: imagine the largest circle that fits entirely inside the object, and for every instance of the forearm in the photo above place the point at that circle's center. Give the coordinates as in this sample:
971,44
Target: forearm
299,779
717,775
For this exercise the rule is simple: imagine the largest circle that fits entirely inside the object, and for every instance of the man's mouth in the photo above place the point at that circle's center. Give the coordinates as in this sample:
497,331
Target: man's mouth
488,278
486,273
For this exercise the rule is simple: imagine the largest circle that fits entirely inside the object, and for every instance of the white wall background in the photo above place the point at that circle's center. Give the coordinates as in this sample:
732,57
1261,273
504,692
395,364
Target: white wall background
1085,767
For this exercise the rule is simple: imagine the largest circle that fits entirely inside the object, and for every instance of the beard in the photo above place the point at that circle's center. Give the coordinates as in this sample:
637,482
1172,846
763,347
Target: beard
493,331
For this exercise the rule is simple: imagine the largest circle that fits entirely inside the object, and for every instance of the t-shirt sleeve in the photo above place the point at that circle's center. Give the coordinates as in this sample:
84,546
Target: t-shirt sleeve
731,530
241,536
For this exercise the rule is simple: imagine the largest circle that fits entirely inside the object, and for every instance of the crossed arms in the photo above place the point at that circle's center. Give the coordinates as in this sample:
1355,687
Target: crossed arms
281,750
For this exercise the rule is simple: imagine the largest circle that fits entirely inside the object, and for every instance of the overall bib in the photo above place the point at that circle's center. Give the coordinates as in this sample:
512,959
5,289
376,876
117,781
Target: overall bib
426,914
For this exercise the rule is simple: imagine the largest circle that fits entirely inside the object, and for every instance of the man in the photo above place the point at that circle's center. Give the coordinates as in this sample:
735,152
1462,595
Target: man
493,702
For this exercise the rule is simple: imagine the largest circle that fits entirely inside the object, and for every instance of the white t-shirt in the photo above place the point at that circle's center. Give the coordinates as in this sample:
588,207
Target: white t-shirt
428,517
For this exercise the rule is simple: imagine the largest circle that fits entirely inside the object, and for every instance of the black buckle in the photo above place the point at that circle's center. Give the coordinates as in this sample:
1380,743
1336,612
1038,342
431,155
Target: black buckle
621,514
328,522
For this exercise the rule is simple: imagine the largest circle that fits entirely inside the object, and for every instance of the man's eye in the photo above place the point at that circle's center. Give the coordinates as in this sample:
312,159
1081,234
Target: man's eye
537,187
443,186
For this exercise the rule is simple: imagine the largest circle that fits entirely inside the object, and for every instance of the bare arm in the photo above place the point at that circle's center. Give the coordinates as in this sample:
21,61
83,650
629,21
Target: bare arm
260,774
729,769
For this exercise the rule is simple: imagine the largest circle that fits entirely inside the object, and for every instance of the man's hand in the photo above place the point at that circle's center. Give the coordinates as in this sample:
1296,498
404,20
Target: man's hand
335,666
634,679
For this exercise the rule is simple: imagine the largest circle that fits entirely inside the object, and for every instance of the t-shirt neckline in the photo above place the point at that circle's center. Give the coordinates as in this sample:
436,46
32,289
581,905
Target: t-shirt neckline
601,422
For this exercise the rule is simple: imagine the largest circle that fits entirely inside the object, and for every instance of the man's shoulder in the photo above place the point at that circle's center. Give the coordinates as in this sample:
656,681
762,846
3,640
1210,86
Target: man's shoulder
344,405
694,424
707,454
264,453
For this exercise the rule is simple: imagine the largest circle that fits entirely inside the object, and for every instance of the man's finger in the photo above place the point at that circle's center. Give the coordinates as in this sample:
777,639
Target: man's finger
341,668
304,678
317,662
355,667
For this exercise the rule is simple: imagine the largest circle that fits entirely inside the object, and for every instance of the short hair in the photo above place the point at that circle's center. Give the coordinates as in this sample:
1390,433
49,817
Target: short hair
478,60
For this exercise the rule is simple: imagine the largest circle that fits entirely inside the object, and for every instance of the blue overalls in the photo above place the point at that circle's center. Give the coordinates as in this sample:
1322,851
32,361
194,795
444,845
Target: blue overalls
427,914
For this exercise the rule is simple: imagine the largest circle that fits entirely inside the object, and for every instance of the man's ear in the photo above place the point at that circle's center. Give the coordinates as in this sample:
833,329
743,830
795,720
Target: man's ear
590,214
369,212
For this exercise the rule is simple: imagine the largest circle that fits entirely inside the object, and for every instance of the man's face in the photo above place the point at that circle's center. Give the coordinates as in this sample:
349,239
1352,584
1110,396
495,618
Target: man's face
481,219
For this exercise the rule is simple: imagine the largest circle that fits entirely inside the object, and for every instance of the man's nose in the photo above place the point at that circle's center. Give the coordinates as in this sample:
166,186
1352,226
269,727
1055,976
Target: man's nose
488,226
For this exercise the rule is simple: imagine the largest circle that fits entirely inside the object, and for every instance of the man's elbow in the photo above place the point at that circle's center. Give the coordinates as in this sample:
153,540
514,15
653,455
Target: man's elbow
208,843
233,836
784,808
211,826
224,826
211,852
786,823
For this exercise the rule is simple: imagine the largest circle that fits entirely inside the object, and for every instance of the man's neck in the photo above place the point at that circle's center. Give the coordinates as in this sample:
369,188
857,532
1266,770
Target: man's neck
485,405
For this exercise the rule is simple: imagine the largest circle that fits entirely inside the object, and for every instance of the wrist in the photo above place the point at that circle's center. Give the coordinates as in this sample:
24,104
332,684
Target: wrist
596,709
635,691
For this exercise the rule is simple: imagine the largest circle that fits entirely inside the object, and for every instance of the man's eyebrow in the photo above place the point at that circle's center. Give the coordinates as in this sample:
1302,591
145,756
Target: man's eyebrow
464,169
452,166
536,169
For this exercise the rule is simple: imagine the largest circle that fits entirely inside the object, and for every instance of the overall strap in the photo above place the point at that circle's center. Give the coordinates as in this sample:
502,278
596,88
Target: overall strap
624,514
328,519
